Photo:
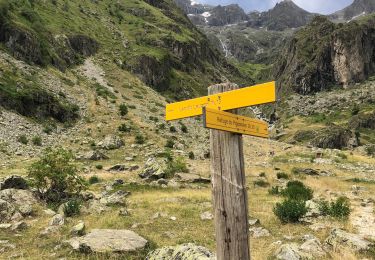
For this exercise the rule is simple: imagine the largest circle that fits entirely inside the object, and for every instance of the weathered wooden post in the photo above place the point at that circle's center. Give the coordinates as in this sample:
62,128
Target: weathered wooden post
228,191
227,159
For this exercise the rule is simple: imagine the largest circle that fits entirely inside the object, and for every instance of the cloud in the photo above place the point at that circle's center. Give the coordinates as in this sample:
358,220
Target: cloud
316,6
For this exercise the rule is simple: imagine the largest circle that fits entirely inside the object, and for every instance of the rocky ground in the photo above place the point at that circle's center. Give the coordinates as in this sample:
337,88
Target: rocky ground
137,211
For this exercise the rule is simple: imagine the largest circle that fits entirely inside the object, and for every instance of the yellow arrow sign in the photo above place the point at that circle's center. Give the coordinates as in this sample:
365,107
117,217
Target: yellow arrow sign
244,97
220,120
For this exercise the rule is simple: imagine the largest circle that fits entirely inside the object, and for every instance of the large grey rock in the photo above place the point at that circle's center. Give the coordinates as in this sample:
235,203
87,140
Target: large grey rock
314,247
111,142
79,229
108,240
116,198
13,182
191,178
95,156
14,204
288,252
207,216
257,232
95,207
153,171
313,209
57,220
339,237
181,252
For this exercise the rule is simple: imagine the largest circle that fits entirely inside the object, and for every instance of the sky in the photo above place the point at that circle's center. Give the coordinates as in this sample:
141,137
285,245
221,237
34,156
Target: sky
314,6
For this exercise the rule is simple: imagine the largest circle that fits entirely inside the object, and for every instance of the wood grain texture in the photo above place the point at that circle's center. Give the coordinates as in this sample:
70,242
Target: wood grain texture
228,190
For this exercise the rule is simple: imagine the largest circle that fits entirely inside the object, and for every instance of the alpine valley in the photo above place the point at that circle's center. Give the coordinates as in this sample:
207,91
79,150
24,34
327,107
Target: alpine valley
90,169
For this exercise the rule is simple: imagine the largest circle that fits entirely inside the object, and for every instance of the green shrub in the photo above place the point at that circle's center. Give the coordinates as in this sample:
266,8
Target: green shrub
140,139
55,176
261,183
184,128
275,190
172,129
290,211
23,139
37,140
123,110
124,128
296,190
191,156
355,110
72,208
99,166
94,179
262,174
175,166
337,209
370,150
282,175
169,144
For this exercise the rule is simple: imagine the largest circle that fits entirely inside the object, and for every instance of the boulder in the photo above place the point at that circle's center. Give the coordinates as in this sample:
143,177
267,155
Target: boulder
253,221
339,237
117,198
181,252
95,156
152,171
13,182
14,204
79,229
191,178
118,168
19,226
57,220
314,247
95,207
257,232
107,241
313,209
207,216
111,142
288,252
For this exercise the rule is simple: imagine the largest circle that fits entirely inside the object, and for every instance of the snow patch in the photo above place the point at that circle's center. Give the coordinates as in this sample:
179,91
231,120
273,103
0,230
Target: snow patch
194,2
206,14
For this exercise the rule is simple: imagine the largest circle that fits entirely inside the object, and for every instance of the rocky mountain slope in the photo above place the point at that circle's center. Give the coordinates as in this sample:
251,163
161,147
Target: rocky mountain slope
356,9
284,15
324,54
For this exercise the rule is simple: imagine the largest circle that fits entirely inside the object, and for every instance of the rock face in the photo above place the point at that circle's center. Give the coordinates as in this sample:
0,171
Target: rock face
108,240
324,54
335,137
181,252
339,237
153,170
13,182
285,14
356,9
95,156
223,15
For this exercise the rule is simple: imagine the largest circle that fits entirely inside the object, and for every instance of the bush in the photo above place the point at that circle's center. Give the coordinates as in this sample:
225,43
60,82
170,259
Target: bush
262,174
191,156
172,129
337,209
355,110
275,190
261,183
123,110
175,166
23,139
296,190
94,179
282,175
124,128
140,139
169,144
55,176
72,208
99,166
184,129
37,140
290,211
370,150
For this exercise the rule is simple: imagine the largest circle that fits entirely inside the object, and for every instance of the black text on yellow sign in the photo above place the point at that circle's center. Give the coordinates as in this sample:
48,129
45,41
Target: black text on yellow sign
220,120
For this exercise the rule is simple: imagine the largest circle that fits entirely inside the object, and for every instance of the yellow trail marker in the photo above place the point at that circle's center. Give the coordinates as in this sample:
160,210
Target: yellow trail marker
220,120
244,97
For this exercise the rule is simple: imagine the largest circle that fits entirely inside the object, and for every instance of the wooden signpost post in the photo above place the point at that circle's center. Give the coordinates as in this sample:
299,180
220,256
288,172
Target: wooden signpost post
227,159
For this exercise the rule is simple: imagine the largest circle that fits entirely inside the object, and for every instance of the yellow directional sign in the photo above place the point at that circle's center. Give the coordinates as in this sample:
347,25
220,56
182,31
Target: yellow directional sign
244,97
220,120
